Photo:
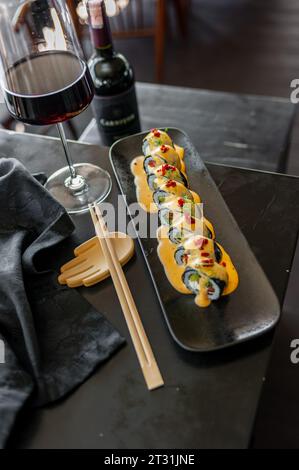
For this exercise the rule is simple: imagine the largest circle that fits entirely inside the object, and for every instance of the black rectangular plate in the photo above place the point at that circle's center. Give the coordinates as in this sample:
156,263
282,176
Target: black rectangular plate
249,311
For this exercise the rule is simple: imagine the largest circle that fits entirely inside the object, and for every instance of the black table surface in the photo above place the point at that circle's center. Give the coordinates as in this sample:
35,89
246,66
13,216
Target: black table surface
239,130
277,420
209,400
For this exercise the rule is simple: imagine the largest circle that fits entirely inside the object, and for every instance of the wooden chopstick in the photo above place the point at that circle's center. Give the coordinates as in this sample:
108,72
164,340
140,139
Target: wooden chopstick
140,341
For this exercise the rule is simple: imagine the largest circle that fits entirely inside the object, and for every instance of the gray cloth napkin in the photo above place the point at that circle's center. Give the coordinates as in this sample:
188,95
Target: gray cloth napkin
53,338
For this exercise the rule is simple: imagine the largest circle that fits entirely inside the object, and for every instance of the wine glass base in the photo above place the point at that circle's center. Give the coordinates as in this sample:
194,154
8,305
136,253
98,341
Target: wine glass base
95,186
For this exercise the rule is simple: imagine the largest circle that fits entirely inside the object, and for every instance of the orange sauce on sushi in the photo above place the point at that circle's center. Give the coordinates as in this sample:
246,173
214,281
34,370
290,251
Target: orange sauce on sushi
166,249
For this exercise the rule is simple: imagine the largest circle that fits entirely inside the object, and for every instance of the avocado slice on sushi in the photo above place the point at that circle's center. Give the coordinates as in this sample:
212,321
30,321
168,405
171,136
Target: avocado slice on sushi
214,287
191,279
160,197
169,190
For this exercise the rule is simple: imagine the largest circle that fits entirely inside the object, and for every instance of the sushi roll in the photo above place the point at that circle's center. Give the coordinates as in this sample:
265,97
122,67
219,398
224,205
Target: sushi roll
176,211
203,253
164,173
195,281
170,190
169,154
187,248
215,288
180,256
179,234
155,139
191,279
152,162
184,256
164,154
172,213
166,216
200,255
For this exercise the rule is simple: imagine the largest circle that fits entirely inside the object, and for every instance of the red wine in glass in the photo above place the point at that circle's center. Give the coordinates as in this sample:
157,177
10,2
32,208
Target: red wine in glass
60,88
46,81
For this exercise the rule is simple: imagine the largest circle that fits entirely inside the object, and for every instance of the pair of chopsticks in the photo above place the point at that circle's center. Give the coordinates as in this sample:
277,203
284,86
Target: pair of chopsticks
140,341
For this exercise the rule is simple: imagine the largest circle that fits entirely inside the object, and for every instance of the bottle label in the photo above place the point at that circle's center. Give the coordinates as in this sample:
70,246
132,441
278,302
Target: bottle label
117,116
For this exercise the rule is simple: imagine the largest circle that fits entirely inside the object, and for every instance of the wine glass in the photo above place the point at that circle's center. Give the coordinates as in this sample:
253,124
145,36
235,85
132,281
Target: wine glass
45,80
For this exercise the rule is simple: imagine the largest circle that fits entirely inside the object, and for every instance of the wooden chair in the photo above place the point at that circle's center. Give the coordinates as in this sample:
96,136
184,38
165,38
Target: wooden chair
131,23
182,11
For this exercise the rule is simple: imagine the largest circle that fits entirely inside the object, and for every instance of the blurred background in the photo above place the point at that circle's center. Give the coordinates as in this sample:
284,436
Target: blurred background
241,46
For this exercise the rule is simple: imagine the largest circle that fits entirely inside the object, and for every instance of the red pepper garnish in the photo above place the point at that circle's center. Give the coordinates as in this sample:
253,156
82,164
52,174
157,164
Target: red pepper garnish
206,241
205,254
223,264
163,149
181,202
170,184
152,163
167,167
156,132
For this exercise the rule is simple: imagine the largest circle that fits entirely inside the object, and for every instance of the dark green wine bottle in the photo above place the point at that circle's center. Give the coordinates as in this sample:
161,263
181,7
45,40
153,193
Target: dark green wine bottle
115,104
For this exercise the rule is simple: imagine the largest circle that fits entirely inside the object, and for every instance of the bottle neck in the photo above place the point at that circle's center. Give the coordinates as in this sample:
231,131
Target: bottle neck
99,27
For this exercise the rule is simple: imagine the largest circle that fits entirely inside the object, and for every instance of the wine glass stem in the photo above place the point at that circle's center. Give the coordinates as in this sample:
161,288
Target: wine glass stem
74,182
66,150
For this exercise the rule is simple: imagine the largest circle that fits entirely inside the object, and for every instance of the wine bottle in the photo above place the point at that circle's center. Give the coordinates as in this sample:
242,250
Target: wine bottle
115,104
